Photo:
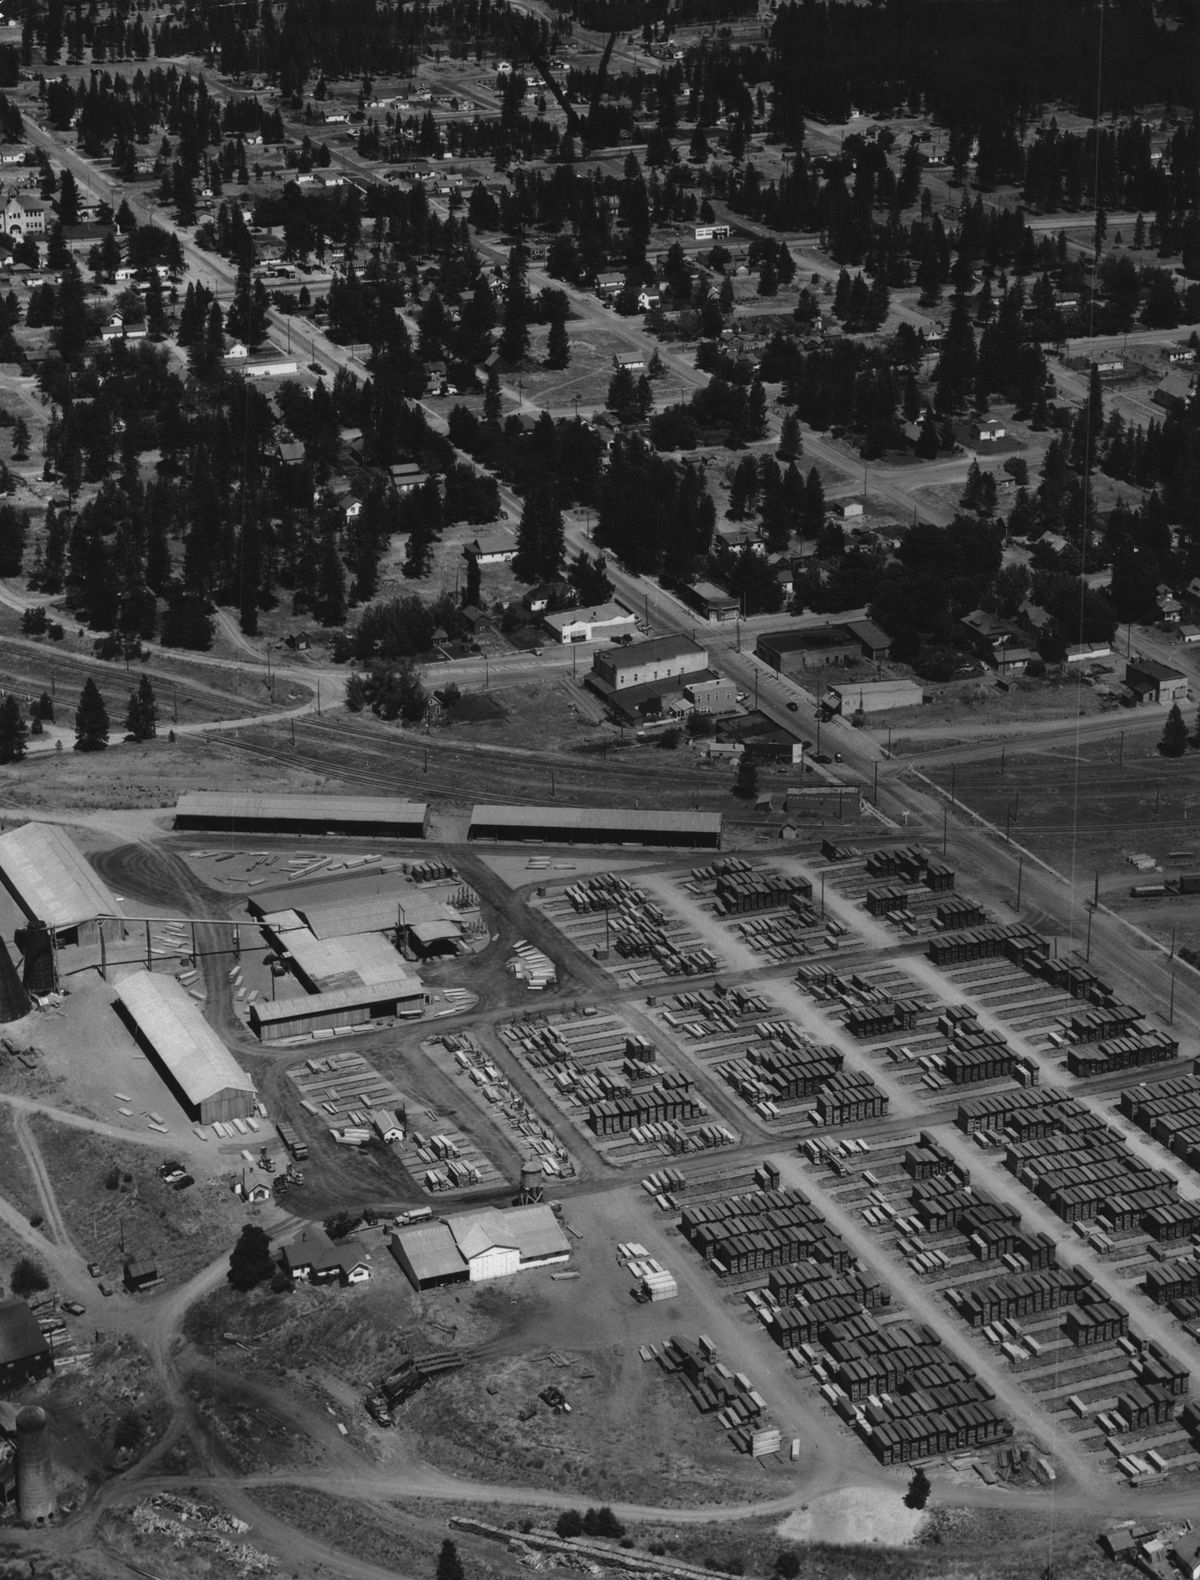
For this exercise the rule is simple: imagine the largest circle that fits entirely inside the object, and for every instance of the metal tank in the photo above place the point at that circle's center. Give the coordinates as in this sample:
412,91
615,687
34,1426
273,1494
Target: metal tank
35,1474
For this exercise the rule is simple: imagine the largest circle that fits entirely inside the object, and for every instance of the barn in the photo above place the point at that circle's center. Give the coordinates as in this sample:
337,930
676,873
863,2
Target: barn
428,1255
596,825
372,817
48,877
199,1069
25,1352
497,1242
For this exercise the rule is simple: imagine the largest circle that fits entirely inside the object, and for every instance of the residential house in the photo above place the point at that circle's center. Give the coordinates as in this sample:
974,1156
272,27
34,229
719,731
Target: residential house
1169,607
312,1255
289,452
988,430
491,549
635,361
1175,391
407,476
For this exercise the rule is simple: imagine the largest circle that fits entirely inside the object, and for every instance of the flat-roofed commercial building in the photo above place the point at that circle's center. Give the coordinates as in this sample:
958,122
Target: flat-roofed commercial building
596,825
196,1065
374,817
642,663
47,875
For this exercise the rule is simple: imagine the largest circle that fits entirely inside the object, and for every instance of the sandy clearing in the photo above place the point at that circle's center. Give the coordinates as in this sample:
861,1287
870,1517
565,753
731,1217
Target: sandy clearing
855,1516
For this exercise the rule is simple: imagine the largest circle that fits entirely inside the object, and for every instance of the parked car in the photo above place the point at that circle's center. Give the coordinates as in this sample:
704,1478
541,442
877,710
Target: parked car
94,1269
793,707
74,1308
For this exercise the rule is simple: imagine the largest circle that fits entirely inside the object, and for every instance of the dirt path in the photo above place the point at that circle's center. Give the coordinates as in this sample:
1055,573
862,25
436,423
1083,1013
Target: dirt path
41,1179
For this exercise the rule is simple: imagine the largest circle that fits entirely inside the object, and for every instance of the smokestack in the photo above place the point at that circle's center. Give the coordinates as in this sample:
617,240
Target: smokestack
35,1474
39,970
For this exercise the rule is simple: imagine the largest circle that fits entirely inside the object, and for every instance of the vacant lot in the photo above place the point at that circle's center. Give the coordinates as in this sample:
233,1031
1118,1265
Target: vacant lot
116,1207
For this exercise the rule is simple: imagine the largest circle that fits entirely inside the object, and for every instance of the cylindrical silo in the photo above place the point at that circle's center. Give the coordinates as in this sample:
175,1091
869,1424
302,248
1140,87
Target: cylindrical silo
35,1475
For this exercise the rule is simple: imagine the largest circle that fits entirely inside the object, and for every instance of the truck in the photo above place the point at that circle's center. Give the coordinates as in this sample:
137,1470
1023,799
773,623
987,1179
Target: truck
413,1215
292,1141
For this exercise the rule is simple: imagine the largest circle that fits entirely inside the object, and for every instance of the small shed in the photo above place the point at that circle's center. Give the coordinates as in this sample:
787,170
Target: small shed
141,1274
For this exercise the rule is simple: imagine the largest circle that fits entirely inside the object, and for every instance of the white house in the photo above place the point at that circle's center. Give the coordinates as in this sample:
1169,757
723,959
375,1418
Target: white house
989,429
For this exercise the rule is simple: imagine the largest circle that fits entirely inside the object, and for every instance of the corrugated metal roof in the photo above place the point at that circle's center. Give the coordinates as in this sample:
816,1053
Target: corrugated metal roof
533,1230
184,1041
619,819
52,877
373,913
430,1249
341,809
337,998
20,1336
367,960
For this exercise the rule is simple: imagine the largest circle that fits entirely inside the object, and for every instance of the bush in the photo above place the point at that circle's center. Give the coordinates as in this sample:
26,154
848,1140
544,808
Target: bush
113,1178
570,1523
787,1564
28,1278
918,1492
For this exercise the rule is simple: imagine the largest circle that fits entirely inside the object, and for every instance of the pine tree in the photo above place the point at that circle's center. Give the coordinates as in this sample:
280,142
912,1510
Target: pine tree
449,1564
919,1489
558,345
473,590
1174,736
91,720
790,444
20,439
250,1261
491,399
539,539
745,783
13,731
514,336
141,717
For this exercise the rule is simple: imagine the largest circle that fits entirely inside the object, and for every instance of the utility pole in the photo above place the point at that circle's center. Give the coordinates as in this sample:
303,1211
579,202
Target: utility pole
1020,875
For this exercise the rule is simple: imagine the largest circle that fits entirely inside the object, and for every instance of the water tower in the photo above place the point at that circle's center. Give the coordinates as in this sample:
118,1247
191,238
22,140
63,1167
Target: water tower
35,1474
533,1183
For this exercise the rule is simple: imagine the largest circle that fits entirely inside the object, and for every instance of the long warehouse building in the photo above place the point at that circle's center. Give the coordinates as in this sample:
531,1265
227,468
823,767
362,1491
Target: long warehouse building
374,817
199,1069
47,875
596,825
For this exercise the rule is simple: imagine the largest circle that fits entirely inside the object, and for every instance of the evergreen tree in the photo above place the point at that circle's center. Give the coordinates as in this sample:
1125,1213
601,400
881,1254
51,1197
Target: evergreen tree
539,538
250,1261
141,717
43,708
514,335
13,731
91,720
1174,736
20,440
790,444
745,783
919,1489
473,589
558,344
449,1564
492,405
